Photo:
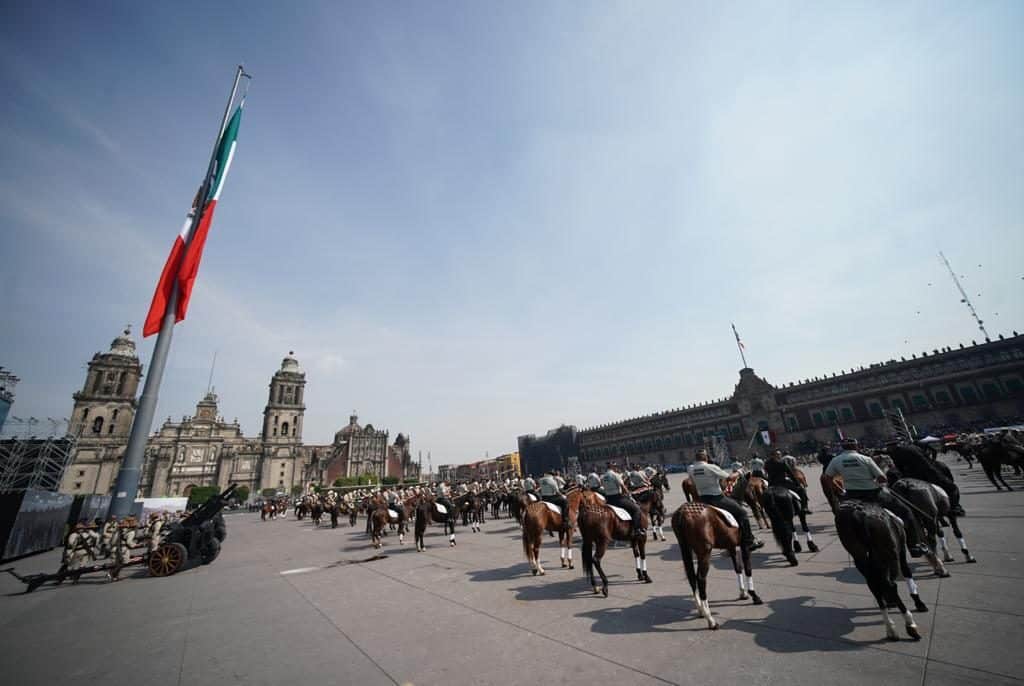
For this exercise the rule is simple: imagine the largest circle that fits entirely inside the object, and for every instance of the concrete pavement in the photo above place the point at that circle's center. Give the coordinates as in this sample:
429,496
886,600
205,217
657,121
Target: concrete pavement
286,602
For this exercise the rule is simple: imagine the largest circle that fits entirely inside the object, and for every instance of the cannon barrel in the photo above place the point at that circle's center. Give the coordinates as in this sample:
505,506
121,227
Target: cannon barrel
209,509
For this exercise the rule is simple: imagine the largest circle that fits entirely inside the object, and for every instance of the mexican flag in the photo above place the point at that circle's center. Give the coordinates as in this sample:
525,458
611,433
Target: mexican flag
182,264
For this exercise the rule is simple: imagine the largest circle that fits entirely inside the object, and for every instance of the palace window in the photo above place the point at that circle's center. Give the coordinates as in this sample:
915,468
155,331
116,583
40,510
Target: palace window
920,402
898,404
968,394
1013,385
818,419
831,416
78,485
876,410
942,397
793,423
847,414
97,425
991,391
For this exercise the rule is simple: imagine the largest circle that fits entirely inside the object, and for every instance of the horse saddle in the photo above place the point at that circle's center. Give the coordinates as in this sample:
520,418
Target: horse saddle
554,508
441,509
531,497
392,514
620,513
727,516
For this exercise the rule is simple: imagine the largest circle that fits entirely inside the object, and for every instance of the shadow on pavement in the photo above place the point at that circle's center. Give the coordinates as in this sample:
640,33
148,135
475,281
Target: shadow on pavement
569,589
823,627
516,571
847,575
647,617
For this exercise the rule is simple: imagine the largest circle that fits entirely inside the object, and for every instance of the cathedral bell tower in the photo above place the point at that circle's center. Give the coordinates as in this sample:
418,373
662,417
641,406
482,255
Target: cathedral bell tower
105,406
283,416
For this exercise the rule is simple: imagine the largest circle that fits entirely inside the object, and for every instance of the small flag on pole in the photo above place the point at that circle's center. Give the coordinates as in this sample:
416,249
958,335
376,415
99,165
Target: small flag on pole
182,265
737,335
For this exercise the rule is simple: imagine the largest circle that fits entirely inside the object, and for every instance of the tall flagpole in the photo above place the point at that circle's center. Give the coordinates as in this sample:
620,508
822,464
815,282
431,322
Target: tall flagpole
739,346
127,485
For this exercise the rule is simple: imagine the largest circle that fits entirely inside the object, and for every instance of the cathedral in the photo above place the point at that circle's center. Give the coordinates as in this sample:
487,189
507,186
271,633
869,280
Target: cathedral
206,450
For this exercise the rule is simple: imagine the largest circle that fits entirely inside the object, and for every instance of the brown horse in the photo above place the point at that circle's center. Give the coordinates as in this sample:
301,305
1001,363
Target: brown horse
381,517
599,526
690,491
540,518
699,529
754,497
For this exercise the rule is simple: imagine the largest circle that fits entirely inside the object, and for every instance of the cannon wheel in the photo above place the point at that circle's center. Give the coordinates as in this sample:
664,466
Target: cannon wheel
167,559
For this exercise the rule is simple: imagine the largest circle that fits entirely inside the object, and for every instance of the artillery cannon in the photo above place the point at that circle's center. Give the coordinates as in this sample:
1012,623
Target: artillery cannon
199,534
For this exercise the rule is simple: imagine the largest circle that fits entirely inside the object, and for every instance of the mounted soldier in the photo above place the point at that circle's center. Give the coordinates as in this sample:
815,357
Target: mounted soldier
551,492
911,461
616,493
782,472
862,479
706,478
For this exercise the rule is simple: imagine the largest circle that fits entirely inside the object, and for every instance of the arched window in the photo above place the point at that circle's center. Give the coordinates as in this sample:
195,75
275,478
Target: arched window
97,425
284,428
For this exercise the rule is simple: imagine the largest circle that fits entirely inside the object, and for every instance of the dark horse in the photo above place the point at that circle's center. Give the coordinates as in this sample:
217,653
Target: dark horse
599,525
427,510
993,453
930,505
699,529
877,543
782,505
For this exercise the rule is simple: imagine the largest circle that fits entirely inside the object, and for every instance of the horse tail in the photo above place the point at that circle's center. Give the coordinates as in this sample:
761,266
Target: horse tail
780,512
587,550
527,544
678,528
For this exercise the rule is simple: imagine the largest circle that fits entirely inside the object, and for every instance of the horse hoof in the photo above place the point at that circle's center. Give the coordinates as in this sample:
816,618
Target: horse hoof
942,574
756,598
793,562
970,559
919,605
913,633
639,576
949,558
534,572
892,637
570,566
648,580
604,591
812,546
796,547
542,572
713,627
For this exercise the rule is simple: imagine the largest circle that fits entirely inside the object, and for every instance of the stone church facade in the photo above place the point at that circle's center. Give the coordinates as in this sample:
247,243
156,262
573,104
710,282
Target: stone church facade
204,449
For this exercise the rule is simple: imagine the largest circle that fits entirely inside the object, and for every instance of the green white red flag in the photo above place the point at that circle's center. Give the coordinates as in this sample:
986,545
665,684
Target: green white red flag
182,264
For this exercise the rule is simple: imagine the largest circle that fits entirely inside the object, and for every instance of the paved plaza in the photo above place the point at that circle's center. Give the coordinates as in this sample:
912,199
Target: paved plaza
287,603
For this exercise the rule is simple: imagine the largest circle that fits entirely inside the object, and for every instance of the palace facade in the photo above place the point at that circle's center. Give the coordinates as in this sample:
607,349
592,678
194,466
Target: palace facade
953,388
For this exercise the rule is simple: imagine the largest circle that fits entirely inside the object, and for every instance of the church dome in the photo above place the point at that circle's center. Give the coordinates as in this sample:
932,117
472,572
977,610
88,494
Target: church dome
346,431
290,364
123,345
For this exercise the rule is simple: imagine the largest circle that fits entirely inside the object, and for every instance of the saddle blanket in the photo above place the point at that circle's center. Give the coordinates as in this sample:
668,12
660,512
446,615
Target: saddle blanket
554,508
531,497
729,519
392,514
940,491
620,513
441,508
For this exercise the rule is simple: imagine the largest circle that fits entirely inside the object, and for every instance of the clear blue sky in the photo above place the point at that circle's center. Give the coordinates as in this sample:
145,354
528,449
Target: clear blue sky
476,220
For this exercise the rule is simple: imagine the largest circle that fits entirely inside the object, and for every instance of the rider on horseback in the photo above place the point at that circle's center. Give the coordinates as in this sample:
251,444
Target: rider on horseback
639,484
550,492
706,478
594,482
862,479
615,493
912,462
779,472
530,486
441,495
757,467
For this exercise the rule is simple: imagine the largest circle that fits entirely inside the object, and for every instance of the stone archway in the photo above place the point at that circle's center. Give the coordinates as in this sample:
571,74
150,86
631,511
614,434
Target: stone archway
187,491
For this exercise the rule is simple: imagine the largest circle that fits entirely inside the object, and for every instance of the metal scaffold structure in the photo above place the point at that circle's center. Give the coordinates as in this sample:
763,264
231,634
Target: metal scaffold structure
29,461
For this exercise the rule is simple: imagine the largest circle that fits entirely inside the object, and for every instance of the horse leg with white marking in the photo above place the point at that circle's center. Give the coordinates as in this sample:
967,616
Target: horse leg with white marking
960,539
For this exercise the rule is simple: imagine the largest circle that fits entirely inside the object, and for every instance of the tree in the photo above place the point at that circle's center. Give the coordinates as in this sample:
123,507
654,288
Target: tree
268,492
296,490
242,494
200,494
389,480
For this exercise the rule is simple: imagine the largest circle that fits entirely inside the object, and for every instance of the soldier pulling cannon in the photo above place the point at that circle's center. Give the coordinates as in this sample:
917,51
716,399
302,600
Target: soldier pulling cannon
169,545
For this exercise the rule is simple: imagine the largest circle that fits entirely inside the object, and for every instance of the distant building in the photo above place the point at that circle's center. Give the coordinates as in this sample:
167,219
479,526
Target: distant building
550,451
953,388
203,449
7,383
